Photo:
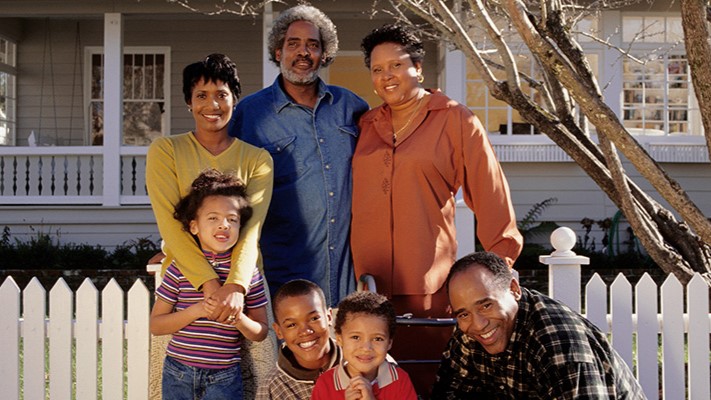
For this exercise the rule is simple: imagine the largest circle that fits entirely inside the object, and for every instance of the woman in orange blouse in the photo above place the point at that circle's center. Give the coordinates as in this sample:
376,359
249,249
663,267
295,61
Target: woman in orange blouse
414,153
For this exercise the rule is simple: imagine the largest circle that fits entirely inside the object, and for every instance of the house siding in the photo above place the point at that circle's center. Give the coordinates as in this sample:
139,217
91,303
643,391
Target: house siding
579,197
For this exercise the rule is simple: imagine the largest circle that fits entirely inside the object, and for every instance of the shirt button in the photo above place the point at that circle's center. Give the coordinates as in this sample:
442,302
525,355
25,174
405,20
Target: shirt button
331,247
320,140
333,220
331,194
328,166
278,148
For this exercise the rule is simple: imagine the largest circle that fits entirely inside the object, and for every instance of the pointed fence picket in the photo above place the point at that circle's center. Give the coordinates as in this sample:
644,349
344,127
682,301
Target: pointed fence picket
87,336
74,320
647,334
698,338
61,307
10,343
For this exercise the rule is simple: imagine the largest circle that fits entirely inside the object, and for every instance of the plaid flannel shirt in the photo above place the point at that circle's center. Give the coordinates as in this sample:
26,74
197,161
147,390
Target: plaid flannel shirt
554,353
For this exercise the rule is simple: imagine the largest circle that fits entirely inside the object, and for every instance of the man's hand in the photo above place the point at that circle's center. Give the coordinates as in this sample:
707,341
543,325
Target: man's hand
228,301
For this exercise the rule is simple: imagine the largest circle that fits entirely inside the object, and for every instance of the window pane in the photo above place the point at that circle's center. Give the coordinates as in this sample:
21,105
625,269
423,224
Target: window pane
654,29
97,82
160,76
476,95
3,51
143,94
149,73
631,28
128,76
3,95
143,122
675,31
96,111
5,133
138,89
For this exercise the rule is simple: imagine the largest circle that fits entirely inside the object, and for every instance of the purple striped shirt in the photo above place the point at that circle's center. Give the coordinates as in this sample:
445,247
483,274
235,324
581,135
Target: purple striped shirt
205,343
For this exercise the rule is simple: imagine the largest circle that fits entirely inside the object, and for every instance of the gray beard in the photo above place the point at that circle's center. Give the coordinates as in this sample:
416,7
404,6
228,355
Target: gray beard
298,79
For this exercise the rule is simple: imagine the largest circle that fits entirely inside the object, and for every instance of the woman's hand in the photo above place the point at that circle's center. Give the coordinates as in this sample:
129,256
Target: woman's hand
359,388
228,301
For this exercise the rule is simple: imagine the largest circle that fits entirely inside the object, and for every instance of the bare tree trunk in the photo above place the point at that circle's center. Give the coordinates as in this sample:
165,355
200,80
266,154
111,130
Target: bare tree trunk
698,51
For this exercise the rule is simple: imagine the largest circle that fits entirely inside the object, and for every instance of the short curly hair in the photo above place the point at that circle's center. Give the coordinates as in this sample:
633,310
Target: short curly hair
215,67
212,182
369,303
393,33
303,12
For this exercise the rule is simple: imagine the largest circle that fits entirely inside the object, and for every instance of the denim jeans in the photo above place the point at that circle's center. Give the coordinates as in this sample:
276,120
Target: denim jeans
183,382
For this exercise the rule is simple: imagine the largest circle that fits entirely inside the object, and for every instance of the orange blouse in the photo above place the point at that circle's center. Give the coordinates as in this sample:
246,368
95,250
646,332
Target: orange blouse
402,229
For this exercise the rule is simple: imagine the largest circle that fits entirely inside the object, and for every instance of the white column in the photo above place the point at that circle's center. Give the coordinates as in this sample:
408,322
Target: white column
610,24
455,75
269,70
113,107
564,268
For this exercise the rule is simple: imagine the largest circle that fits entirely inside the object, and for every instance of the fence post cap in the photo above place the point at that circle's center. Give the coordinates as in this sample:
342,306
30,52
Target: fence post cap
563,241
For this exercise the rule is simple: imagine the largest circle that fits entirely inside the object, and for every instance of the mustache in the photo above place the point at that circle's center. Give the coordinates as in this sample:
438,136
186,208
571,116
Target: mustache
303,59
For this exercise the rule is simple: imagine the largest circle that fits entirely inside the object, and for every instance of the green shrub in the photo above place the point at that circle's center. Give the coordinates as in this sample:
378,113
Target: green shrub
41,251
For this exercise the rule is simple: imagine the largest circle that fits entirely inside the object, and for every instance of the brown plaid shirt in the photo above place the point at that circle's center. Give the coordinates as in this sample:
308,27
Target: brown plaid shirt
554,353
289,381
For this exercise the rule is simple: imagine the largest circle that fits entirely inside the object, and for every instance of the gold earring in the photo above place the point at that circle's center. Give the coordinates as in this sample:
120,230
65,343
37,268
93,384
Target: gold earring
420,78
190,109
375,91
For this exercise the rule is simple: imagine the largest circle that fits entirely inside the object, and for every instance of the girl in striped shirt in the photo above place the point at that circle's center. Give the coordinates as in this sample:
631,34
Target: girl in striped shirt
202,359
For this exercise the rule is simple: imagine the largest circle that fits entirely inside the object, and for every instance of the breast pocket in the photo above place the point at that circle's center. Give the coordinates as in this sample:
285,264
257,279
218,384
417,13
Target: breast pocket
348,137
285,165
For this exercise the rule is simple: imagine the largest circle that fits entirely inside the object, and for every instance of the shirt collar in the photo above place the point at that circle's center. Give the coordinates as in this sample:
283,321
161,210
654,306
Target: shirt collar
522,316
387,374
283,100
287,363
437,101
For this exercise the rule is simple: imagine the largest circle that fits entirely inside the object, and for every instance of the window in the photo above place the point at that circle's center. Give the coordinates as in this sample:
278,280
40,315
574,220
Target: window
496,115
658,98
8,99
652,29
146,74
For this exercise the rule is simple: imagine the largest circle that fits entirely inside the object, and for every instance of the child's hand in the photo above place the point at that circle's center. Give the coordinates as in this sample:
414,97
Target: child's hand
201,309
359,388
228,302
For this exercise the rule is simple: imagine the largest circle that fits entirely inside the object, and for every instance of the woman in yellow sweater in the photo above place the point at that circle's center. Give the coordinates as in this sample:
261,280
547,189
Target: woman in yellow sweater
211,88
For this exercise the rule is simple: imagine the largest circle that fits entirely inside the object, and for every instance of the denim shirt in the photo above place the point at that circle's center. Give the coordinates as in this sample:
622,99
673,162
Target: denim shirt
306,231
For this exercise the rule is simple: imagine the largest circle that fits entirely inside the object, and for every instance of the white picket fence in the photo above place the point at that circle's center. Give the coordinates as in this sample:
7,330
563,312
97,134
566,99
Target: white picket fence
68,376
636,324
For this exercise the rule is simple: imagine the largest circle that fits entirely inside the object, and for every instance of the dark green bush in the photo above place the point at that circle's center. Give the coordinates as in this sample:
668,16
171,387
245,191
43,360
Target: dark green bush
43,252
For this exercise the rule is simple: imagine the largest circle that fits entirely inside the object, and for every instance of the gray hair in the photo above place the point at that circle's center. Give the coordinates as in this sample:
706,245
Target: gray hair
303,12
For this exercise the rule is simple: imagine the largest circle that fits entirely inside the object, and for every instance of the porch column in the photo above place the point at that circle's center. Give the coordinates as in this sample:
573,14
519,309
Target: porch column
611,67
269,70
113,107
455,75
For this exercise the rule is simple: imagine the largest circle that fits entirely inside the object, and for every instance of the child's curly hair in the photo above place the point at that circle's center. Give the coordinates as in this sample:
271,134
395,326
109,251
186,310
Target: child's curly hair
212,182
369,303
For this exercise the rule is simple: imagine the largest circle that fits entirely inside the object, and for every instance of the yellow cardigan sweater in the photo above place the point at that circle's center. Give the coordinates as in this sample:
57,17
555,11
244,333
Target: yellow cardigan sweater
171,166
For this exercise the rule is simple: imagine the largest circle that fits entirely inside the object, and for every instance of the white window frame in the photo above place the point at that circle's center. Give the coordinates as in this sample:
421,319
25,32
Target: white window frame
10,69
145,50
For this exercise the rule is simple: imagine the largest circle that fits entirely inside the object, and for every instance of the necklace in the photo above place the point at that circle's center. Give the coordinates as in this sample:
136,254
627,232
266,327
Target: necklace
412,115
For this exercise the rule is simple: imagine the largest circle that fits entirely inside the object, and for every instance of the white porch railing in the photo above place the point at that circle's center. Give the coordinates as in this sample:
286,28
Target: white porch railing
71,175
25,326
